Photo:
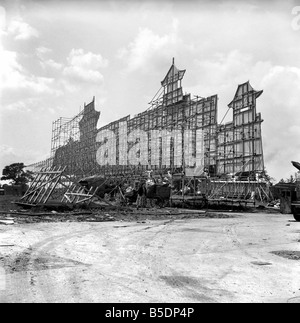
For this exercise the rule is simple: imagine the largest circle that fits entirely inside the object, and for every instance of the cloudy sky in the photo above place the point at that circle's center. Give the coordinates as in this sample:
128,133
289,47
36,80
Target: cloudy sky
56,55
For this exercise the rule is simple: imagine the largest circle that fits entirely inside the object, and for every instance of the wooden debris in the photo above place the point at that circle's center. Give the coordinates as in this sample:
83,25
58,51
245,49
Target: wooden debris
7,222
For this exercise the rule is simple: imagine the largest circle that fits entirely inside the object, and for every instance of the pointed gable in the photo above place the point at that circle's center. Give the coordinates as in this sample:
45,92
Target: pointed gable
243,90
172,86
173,75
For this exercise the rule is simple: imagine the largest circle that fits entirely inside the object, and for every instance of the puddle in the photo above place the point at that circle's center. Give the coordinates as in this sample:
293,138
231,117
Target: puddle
197,230
24,262
292,255
199,290
261,263
174,281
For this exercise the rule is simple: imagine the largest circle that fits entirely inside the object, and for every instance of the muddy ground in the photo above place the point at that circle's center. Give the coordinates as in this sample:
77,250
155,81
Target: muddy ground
151,257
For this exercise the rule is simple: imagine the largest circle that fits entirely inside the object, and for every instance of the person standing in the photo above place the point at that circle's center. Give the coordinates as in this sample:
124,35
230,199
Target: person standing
141,198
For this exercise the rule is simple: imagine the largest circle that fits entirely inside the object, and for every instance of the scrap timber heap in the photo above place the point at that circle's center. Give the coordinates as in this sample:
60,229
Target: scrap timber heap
176,141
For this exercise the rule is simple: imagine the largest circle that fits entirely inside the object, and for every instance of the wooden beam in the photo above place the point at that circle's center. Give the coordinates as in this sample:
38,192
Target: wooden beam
49,181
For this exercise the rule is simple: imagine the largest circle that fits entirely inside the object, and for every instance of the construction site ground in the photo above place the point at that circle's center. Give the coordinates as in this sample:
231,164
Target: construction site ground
151,256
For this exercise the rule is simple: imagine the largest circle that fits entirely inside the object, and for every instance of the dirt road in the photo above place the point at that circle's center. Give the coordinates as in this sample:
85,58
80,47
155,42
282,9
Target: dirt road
203,260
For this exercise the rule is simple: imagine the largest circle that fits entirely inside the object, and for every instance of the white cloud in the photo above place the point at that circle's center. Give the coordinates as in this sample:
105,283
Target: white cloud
78,73
228,69
46,62
9,68
279,106
50,63
2,19
18,83
21,30
85,67
27,105
4,149
15,76
148,46
78,57
10,155
19,106
41,51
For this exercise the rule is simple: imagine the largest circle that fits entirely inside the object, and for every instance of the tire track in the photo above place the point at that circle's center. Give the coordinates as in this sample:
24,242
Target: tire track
29,280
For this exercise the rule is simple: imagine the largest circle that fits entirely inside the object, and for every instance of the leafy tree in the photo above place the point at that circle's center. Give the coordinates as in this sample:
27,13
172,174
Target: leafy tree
267,177
291,179
16,173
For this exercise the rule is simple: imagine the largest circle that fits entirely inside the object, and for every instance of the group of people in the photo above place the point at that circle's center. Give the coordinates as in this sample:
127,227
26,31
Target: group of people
144,193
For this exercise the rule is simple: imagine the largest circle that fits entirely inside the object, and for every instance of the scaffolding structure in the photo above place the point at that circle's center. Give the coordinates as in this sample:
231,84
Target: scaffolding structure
52,184
164,137
177,134
73,141
36,167
64,132
240,141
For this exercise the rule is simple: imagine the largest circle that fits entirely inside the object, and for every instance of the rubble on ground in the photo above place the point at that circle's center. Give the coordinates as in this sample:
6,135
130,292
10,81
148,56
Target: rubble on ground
11,213
128,215
288,254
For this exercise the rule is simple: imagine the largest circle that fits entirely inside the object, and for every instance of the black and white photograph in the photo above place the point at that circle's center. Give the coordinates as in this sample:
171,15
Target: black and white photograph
149,154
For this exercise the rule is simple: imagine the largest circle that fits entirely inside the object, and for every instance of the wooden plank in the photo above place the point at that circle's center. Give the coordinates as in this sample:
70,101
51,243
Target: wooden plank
59,172
74,199
67,187
37,191
79,194
32,186
36,185
49,172
53,188
39,187
43,190
49,177
70,189
7,222
84,200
